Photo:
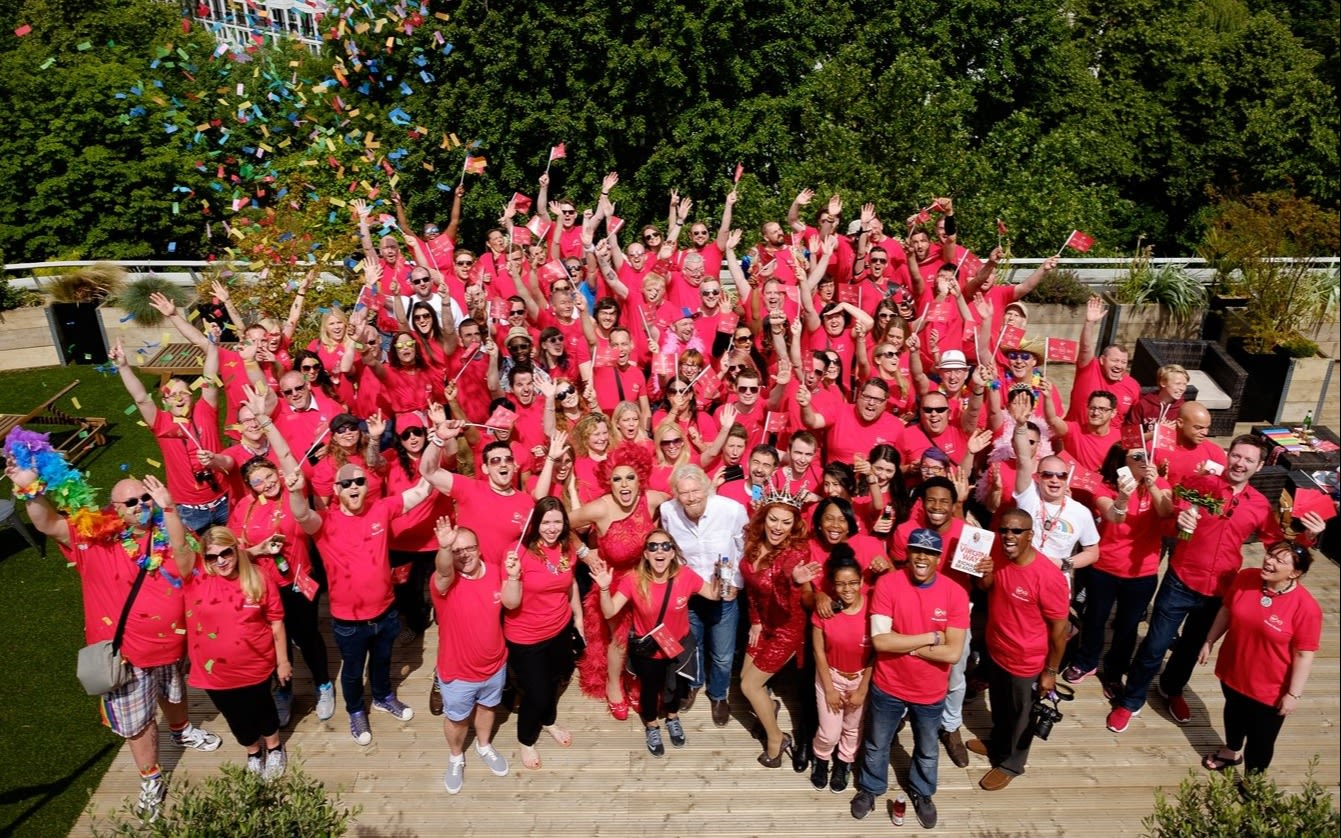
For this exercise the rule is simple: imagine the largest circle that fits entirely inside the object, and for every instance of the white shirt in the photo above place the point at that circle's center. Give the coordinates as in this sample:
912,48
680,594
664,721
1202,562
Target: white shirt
719,531
436,302
1057,529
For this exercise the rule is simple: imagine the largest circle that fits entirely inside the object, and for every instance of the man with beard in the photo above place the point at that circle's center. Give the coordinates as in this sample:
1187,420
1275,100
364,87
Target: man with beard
858,429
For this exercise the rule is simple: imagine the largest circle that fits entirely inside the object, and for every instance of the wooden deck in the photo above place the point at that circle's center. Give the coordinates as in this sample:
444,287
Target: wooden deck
1084,781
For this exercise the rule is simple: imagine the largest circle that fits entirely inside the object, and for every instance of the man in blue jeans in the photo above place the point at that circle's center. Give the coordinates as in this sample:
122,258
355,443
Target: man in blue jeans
710,530
918,622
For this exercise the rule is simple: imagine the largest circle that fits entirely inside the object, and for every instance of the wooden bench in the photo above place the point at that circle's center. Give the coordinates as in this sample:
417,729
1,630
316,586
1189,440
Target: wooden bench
88,432
176,359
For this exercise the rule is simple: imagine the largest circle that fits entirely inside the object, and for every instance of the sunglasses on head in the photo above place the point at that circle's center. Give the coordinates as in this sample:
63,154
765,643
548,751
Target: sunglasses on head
353,481
226,553
1014,530
409,432
660,547
131,503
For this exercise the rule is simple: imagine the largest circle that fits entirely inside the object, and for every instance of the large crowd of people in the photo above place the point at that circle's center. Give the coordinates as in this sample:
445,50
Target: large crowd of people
592,458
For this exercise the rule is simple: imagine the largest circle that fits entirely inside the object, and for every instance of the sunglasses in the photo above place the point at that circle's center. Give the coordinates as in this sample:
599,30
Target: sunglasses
1018,356
564,393
344,429
887,354
1137,456
742,338
558,338
310,368
569,212
676,441
747,388
409,432
424,315
422,280
518,347
709,292
680,391
404,344
660,547
353,481
494,461
464,263
1054,475
131,503
1014,530
516,312
935,409
293,391
226,553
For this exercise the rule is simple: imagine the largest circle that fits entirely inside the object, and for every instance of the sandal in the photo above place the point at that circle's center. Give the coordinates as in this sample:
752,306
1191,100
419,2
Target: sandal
1215,762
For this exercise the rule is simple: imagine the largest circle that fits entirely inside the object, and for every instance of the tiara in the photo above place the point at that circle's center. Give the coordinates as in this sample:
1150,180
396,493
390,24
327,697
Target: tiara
776,495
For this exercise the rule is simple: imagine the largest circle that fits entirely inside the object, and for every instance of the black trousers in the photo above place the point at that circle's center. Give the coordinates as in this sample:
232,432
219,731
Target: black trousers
1012,699
411,597
1257,723
302,628
249,711
537,670
662,691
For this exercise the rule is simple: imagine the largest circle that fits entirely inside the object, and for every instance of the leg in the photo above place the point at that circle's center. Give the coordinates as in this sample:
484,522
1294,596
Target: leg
953,718
302,627
651,674
484,725
1183,659
455,733
615,655
1172,604
1014,722
1237,721
883,714
353,641
830,727
697,608
1263,726
753,683
721,647
528,671
379,655
1101,593
852,718
1133,598
926,723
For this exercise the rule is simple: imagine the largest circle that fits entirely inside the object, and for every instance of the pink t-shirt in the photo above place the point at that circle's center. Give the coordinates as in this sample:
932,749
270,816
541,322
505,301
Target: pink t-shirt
916,609
230,640
470,628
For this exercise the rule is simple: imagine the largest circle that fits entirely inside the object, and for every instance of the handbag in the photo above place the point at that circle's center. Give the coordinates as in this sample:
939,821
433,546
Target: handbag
645,645
100,667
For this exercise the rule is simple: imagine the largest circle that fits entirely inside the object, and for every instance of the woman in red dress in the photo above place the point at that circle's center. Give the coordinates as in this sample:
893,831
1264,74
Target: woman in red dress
622,517
778,570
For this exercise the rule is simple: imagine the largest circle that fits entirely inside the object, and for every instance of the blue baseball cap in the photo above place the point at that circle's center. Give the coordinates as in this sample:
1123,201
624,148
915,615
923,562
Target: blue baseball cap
926,540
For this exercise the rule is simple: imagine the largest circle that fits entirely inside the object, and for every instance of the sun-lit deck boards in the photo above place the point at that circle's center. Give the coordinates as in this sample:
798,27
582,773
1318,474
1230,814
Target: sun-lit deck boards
1085,781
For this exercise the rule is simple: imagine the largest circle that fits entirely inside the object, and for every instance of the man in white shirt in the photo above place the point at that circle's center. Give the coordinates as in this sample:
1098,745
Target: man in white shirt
710,531
1060,521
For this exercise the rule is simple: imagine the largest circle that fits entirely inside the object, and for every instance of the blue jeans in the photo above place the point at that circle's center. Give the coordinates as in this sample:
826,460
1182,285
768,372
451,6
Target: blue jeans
714,624
1131,596
1176,605
883,712
953,717
197,519
369,641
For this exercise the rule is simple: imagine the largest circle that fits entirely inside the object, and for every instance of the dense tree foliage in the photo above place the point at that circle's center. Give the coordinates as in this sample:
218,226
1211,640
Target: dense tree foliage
1120,117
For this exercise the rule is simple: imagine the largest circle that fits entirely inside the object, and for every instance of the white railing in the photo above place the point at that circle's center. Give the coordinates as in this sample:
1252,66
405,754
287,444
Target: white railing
234,23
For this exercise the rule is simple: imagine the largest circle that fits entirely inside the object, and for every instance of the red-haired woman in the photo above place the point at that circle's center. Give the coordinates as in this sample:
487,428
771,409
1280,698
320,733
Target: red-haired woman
622,517
778,570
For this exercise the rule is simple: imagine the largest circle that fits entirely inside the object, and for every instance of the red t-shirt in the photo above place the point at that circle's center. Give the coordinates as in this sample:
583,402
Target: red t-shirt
847,638
180,439
302,428
1259,647
230,640
849,436
1130,550
1022,600
237,488
1090,378
1207,563
937,606
1183,461
608,392
322,477
1089,448
470,628
156,616
409,389
255,519
413,532
574,338
358,567
496,519
898,547
685,584
547,583
952,441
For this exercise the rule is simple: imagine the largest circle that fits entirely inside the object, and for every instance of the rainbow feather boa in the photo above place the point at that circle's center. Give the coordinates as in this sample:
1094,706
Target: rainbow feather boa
66,487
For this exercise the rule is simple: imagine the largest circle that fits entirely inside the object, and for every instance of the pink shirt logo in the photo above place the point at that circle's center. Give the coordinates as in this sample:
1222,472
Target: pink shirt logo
1275,623
1022,595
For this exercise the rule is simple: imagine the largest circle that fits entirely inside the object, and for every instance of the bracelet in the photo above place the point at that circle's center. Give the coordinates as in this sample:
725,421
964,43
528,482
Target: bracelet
605,194
436,440
168,509
514,578
582,551
1295,697
604,590
1051,671
1121,510
301,294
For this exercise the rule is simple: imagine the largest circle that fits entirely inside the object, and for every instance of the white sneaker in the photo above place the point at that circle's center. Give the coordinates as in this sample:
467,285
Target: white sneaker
256,764
197,738
152,792
493,759
325,701
276,762
455,777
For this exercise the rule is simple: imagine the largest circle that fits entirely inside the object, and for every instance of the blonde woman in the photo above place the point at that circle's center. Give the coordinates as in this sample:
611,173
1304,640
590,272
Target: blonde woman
670,448
235,635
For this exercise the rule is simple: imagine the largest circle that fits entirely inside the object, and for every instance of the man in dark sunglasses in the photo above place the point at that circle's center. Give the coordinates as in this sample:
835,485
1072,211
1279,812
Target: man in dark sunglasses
352,535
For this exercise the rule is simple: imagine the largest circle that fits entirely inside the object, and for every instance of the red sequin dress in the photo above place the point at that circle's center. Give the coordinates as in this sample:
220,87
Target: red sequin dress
620,548
775,603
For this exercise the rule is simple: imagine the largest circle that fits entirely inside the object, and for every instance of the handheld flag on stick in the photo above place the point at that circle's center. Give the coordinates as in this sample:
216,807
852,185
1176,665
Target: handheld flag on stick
557,152
1077,241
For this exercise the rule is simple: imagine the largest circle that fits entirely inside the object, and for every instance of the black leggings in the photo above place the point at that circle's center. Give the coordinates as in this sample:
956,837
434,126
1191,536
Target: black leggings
661,691
1258,723
537,670
412,595
300,624
249,711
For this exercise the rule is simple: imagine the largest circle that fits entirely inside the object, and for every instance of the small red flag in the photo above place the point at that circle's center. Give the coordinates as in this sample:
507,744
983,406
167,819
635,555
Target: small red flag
558,152
539,226
740,170
1011,337
501,418
1131,438
23,30
663,363
1062,351
498,308
775,423
728,321
1001,228
708,385
553,271
605,356
521,203
970,264
475,165
521,235
1079,241
613,224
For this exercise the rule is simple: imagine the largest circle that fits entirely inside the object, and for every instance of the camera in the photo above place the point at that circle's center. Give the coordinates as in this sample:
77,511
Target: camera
207,477
1045,714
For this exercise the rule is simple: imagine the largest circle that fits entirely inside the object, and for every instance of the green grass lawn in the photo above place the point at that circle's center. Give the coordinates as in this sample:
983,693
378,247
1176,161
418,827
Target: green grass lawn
53,749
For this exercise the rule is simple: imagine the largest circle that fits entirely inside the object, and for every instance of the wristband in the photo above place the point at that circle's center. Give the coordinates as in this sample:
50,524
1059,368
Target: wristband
1050,671
1295,697
168,509
436,440
604,590
582,551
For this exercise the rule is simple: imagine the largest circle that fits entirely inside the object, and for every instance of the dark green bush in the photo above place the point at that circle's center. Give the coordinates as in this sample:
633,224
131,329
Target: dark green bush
1061,287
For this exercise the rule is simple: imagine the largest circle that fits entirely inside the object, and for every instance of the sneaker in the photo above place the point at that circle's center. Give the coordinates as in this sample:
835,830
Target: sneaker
1182,714
862,804
358,727
276,762
1112,688
676,731
326,701
395,707
819,774
256,764
654,745
456,774
838,777
150,802
1120,717
954,746
197,738
1074,674
493,759
925,809
284,706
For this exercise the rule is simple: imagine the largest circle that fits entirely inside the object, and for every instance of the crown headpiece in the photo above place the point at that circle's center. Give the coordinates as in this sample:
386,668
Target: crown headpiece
776,494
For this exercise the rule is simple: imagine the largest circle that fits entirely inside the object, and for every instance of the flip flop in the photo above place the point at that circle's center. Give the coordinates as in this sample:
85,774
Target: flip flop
1215,762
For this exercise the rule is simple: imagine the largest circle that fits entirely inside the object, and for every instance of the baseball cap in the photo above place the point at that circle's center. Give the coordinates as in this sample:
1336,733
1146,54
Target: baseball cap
344,421
1019,306
855,227
925,540
952,359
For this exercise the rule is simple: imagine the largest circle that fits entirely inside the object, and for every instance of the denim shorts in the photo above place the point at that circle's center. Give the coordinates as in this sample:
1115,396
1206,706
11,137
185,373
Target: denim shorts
460,697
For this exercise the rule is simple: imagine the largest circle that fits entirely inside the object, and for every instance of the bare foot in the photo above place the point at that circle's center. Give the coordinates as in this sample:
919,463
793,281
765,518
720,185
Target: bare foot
560,735
530,758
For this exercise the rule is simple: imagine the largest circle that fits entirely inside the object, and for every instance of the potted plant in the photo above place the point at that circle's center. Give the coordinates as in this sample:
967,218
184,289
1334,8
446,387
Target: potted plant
1263,248
1161,300
76,329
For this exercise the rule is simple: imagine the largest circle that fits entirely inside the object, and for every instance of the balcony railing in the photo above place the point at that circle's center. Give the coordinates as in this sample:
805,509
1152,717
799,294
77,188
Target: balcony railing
240,23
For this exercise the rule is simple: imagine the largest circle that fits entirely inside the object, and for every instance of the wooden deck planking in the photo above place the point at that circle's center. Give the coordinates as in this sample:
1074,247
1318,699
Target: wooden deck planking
1084,781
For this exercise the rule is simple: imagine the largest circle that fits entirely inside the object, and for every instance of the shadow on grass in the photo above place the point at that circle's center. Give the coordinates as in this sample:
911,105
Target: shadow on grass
42,794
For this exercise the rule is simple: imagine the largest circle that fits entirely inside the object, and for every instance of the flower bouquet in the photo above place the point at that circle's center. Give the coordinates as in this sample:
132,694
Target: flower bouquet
1192,497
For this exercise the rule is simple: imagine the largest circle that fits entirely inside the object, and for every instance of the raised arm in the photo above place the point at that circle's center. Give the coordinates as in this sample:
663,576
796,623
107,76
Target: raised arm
1095,310
724,229
221,291
1031,282
133,384
182,553
1020,408
794,211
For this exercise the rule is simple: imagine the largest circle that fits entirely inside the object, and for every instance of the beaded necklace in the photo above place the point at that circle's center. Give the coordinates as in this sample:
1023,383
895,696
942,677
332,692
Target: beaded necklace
152,559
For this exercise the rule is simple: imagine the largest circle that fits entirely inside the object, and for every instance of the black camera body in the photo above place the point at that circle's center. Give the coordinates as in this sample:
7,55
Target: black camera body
1045,714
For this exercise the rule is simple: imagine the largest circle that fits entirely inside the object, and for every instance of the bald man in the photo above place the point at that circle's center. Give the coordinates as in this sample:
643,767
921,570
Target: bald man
151,643
1193,452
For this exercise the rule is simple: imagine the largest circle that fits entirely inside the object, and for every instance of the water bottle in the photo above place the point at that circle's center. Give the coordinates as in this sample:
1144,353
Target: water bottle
724,573
900,807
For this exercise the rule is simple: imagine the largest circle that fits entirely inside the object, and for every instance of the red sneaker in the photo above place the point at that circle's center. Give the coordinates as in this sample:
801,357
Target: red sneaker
1119,718
1182,714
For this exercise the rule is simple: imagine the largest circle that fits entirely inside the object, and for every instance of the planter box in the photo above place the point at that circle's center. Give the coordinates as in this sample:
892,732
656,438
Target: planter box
76,332
1125,323
116,324
1282,389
